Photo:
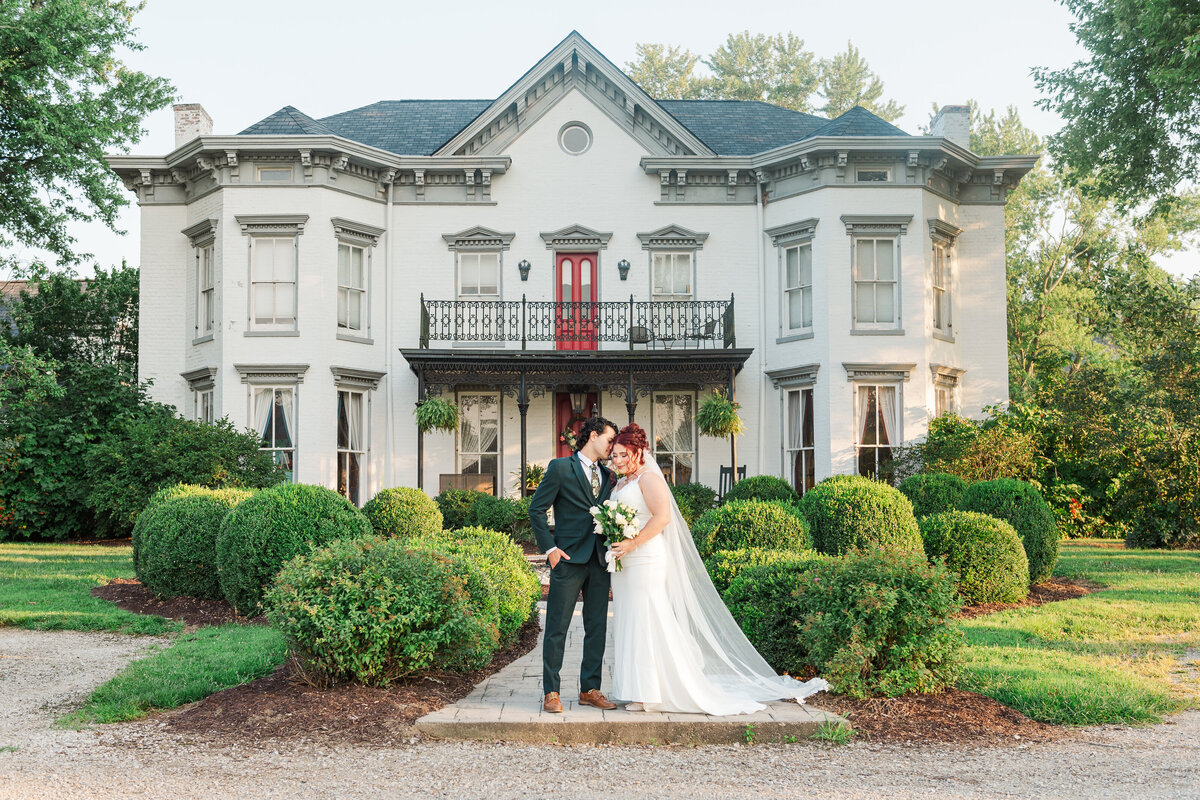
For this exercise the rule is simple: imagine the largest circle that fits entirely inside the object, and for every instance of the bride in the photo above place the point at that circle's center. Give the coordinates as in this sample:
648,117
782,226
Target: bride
677,647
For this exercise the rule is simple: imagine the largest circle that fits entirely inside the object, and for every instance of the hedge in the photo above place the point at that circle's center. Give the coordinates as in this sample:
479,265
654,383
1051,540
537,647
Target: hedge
984,553
403,512
1021,505
933,492
179,542
750,523
852,513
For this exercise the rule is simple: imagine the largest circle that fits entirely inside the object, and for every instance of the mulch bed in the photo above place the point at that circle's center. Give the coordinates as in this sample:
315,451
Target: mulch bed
1049,592
132,596
283,706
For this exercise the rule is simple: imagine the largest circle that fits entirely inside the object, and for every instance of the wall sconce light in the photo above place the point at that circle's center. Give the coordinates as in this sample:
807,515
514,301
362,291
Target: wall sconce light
623,268
524,268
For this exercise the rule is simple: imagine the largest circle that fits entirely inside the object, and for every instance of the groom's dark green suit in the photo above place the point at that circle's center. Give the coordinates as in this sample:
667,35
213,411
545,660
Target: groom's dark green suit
569,489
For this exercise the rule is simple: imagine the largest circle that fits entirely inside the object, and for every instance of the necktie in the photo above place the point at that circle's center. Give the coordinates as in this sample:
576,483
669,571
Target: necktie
595,481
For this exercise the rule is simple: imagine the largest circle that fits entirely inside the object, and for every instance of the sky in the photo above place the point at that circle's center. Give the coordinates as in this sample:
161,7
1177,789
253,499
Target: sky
244,59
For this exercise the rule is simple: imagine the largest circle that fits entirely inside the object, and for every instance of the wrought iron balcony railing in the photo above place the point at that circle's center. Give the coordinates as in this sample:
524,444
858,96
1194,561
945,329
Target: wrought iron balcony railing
580,326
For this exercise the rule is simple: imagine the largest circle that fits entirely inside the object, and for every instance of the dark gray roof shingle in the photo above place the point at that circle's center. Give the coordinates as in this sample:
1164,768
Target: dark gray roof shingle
728,127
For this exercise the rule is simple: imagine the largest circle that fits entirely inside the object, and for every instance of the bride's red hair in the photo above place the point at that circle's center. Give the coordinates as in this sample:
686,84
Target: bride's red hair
633,437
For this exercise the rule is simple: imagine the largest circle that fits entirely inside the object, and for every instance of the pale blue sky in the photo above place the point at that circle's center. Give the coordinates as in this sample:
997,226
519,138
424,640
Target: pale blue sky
244,60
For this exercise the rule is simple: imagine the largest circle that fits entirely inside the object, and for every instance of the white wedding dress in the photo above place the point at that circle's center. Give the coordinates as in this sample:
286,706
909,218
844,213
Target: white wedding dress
676,646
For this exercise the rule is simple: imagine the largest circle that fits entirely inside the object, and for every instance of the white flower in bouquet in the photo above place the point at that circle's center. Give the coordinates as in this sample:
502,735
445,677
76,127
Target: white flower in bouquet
631,531
593,510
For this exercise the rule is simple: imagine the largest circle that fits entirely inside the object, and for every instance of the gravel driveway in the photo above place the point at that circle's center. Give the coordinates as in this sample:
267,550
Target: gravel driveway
44,674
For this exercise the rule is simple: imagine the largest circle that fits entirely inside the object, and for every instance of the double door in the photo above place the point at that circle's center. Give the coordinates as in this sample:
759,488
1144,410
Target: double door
577,318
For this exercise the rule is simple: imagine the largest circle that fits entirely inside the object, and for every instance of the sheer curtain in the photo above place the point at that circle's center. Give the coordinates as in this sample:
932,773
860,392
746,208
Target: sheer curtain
355,415
887,410
864,405
263,400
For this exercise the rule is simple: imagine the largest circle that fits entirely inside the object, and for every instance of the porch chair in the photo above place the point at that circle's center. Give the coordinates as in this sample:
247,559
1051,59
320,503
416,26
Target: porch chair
707,334
640,334
725,482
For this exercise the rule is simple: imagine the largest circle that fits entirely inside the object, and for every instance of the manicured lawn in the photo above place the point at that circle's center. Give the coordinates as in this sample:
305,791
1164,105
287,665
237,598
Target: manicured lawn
1109,657
193,667
48,587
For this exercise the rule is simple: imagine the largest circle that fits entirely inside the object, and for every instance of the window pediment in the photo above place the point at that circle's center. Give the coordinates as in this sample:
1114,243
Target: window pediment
272,224
876,224
793,377
791,232
478,238
200,380
270,374
358,233
943,232
878,372
577,238
672,237
350,378
202,233
946,376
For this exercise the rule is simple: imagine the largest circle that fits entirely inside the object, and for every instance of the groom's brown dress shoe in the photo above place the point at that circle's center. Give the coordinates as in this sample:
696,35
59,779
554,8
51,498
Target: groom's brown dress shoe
593,697
552,704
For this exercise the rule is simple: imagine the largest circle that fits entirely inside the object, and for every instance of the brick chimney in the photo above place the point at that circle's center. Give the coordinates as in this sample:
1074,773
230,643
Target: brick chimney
953,123
191,120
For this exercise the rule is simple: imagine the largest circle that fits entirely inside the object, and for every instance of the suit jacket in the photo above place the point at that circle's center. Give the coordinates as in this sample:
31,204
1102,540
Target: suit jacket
569,489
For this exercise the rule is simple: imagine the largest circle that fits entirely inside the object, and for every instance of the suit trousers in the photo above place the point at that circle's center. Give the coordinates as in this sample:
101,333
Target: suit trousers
567,580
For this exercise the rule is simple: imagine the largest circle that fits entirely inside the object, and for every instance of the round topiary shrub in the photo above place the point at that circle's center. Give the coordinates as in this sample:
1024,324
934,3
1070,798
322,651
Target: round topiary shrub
762,487
403,512
159,497
933,492
693,499
179,544
454,504
375,610
984,552
514,582
725,565
850,512
750,523
1021,505
264,532
870,624
493,513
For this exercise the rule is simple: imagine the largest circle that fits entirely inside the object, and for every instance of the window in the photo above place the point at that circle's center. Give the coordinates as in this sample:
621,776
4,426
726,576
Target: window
798,290
872,175
351,443
204,406
478,275
206,308
352,287
275,421
575,138
674,425
479,435
274,174
672,276
802,470
943,400
941,288
273,283
875,283
877,429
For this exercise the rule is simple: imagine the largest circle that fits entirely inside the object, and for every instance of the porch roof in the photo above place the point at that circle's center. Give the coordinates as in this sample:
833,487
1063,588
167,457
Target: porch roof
617,370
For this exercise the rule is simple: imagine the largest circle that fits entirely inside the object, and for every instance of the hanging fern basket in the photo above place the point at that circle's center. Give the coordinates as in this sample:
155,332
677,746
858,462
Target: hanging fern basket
435,414
718,417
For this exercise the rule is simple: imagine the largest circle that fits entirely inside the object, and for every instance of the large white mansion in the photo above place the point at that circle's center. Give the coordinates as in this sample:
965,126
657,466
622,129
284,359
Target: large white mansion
572,247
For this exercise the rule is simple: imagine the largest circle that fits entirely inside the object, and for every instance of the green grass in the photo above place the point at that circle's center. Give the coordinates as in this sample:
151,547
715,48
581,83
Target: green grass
48,587
193,667
1115,656
833,733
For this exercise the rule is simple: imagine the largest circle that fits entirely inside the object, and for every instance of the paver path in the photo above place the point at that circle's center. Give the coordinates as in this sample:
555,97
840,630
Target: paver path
508,707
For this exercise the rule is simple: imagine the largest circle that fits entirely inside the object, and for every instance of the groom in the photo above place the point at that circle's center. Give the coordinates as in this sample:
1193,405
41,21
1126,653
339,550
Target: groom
576,554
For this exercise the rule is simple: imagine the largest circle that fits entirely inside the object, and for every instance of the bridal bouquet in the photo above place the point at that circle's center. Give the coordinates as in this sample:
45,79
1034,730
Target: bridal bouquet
615,522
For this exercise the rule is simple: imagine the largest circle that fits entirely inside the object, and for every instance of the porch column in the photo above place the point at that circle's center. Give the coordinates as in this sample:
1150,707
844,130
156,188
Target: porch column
523,407
733,436
630,398
420,433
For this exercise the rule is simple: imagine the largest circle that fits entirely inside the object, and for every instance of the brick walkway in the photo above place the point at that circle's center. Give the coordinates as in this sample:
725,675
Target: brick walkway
508,707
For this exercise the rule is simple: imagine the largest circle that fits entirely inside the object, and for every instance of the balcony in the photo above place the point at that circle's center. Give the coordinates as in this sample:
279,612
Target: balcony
566,326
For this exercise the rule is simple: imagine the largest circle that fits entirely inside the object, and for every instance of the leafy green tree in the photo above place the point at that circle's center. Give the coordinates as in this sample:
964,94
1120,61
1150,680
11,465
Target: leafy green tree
666,72
847,81
1132,110
776,69
66,99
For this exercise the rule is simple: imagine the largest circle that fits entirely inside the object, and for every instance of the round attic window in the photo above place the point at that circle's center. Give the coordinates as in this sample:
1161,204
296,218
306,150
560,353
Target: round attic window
575,138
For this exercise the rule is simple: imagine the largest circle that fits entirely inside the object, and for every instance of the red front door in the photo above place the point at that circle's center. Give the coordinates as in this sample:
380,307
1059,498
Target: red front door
575,291
565,418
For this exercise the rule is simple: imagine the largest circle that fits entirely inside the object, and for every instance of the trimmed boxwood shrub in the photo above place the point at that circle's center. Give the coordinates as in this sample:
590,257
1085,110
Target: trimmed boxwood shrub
750,523
933,492
850,512
375,610
514,581
1021,505
984,552
725,565
264,532
403,512
493,513
454,504
179,542
693,499
871,624
161,496
762,487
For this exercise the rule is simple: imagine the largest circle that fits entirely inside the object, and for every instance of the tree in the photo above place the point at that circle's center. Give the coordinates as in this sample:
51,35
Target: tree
666,72
1132,111
66,99
776,69
847,81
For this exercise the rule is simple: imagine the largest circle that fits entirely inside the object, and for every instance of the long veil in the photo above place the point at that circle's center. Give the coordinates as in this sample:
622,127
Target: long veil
727,657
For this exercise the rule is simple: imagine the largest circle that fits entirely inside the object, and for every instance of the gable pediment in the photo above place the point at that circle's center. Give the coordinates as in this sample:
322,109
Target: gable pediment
575,64
672,237
478,237
576,238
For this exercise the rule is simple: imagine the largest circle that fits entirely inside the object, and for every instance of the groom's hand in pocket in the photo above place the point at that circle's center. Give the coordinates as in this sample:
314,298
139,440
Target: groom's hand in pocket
555,555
